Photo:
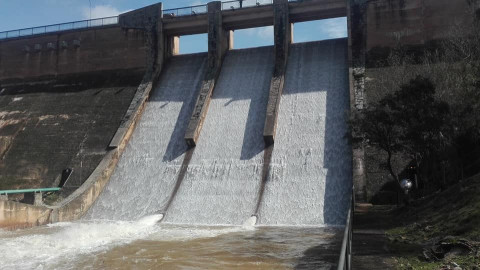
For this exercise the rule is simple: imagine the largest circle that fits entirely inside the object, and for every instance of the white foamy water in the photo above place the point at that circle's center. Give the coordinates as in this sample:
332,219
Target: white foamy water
147,171
224,174
309,179
310,173
62,245
40,247
250,222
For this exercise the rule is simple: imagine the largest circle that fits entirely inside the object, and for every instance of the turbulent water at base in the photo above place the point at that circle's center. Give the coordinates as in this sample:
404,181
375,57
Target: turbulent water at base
309,176
146,244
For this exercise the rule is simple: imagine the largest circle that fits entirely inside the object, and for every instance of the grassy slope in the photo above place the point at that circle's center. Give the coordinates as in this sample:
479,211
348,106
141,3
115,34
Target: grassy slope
453,212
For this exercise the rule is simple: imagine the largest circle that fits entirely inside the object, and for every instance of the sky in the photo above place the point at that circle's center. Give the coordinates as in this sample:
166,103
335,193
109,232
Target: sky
17,14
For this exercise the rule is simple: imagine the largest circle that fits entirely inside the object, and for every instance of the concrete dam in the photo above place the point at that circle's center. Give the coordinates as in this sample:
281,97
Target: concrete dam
219,182
227,154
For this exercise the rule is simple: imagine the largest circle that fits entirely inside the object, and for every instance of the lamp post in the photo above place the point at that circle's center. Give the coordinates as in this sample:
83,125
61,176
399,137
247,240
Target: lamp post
406,185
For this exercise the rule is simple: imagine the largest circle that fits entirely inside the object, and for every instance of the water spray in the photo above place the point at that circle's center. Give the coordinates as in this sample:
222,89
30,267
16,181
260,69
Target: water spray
250,222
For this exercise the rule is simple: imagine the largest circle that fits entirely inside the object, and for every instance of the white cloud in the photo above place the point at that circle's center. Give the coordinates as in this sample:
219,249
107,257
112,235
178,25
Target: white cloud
100,11
265,33
334,28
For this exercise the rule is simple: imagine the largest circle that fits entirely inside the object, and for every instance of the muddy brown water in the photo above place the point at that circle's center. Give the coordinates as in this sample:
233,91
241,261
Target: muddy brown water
127,245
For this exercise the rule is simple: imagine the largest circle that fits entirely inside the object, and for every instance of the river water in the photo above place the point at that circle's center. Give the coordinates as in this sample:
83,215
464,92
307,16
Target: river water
146,244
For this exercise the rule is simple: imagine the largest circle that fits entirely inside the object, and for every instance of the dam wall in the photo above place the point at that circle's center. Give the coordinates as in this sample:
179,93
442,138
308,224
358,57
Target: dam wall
412,24
74,52
219,181
69,97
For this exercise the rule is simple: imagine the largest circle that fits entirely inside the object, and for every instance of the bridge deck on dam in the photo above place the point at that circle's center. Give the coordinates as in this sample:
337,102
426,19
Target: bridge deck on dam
250,17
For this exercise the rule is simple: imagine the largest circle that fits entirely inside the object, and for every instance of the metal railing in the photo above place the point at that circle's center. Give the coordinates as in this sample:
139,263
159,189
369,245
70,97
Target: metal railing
58,27
173,12
227,5
236,4
345,260
185,11
34,190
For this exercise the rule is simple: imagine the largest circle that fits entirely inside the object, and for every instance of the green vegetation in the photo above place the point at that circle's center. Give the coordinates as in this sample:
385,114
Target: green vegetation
451,217
424,114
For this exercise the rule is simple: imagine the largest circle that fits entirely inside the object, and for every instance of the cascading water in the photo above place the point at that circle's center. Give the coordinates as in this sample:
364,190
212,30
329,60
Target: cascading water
224,174
146,173
310,172
220,181
309,176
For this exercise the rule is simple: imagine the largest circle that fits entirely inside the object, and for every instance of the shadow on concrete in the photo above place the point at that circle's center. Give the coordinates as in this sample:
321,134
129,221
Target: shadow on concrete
174,78
246,75
267,159
181,175
337,151
48,129
73,82
319,71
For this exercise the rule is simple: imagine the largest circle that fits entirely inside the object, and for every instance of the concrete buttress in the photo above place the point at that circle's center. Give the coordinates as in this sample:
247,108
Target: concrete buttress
218,44
148,19
282,39
356,58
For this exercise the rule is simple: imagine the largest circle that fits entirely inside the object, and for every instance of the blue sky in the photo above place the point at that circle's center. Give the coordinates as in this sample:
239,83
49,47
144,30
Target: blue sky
15,14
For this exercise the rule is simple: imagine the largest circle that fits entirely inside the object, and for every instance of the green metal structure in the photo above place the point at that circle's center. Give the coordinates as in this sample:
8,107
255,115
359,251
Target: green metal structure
17,191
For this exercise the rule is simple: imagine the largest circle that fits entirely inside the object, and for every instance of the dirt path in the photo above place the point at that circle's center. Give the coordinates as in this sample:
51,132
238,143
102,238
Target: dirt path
370,248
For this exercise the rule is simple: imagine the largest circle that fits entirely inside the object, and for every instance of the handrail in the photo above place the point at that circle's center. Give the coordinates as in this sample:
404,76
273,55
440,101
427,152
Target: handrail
226,5
173,12
18,191
185,11
58,27
236,4
345,260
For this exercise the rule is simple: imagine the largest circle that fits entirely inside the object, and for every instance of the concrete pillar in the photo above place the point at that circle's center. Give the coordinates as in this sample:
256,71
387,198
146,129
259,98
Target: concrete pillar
173,45
38,199
150,20
282,39
230,40
218,43
356,56
291,33
3,197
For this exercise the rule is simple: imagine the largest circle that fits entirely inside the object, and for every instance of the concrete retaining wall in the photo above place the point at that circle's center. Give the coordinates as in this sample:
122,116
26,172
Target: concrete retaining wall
413,24
97,49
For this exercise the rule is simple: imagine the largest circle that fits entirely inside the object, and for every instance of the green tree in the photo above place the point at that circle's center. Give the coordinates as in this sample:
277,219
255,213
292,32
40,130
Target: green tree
408,121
